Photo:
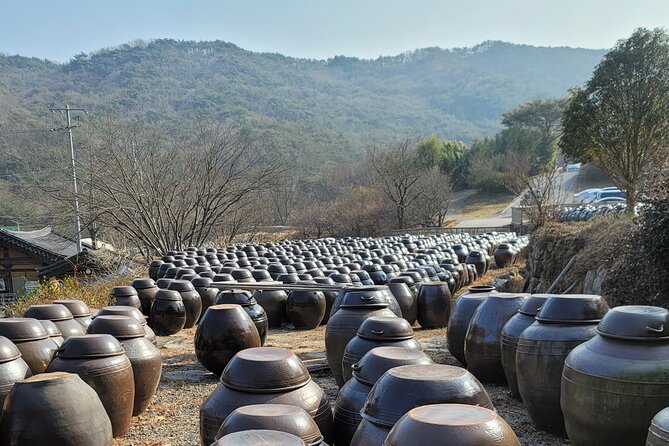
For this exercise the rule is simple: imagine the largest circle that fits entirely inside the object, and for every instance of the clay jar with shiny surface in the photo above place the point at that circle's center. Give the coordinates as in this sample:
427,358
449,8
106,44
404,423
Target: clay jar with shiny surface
564,322
260,438
452,425
59,315
168,313
274,304
191,300
79,310
31,338
101,362
12,367
120,310
434,305
264,375
461,314
305,308
249,304
658,433
126,295
615,383
147,364
483,340
53,331
40,412
146,291
223,331
207,293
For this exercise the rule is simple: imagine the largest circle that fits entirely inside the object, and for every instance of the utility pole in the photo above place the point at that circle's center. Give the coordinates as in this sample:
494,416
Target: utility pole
69,128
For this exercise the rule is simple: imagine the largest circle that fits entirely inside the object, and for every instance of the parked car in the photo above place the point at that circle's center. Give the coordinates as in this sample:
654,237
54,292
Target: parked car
586,196
573,167
609,193
609,200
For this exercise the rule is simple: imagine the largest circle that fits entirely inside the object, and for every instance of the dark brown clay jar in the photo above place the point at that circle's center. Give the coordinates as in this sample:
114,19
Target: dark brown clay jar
305,309
120,310
264,375
30,409
461,314
351,398
101,362
483,350
564,322
224,331
79,310
191,300
146,291
330,296
207,293
31,338
12,367
504,255
59,315
154,267
375,293
355,307
618,380
434,305
147,364
274,304
168,313
375,332
406,300
278,417
260,438
127,296
53,331
451,424
249,304
510,335
658,433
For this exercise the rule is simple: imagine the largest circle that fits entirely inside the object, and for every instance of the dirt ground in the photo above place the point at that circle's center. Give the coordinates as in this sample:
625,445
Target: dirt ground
172,419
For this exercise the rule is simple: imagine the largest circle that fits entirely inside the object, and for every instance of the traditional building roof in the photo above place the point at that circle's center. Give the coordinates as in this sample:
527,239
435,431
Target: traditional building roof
45,244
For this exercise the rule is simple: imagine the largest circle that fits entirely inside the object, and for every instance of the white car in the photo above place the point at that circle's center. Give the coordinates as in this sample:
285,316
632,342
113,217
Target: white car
609,193
586,196
573,167
610,200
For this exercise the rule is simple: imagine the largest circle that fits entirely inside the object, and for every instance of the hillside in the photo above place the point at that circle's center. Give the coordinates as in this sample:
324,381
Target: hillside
329,110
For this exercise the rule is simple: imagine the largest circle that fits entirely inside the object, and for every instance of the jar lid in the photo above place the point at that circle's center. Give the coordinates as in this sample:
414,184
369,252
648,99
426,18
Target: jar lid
364,296
90,346
22,329
385,328
170,295
635,322
123,291
8,351
239,297
201,282
533,304
181,286
260,438
52,330
121,327
143,283
573,308
52,312
379,360
76,307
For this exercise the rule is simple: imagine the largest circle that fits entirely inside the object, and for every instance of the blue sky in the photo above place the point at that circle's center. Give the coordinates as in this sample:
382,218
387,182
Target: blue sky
320,29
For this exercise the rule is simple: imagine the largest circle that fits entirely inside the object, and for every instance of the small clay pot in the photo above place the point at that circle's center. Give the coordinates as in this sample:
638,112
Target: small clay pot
168,313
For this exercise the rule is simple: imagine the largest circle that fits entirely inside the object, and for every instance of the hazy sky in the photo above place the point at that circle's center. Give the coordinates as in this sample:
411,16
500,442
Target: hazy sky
317,28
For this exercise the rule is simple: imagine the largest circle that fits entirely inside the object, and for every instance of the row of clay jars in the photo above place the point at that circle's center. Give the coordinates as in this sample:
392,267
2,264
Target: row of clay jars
59,315
32,340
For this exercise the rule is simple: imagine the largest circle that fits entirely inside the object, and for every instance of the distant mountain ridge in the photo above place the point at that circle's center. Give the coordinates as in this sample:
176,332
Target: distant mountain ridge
323,111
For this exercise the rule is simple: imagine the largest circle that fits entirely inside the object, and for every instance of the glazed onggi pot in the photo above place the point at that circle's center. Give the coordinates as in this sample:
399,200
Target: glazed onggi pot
351,398
249,304
563,323
434,305
146,291
375,332
154,267
12,367
168,313
461,314
31,338
330,296
264,375
36,413
405,298
102,363
120,310
274,304
504,255
379,293
483,340
145,358
278,417
615,383
259,438
126,295
59,315
191,300
356,305
452,425
658,433
224,330
53,331
510,334
305,308
79,310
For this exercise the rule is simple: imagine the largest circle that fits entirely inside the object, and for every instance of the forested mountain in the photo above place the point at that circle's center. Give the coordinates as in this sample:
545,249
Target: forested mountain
324,111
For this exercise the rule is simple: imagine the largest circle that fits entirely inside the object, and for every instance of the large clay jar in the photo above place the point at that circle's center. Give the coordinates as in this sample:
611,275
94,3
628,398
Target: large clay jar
250,305
461,314
120,310
259,437
482,342
31,338
381,293
434,305
126,295
404,388
478,259
405,298
101,362
53,331
351,398
453,425
79,310
264,375
12,367
355,306
278,417
225,329
168,313
147,364
615,383
54,409
305,309
207,294
154,267
330,297
658,433
510,334
374,332
191,300
274,304
59,315
504,255
146,291
563,323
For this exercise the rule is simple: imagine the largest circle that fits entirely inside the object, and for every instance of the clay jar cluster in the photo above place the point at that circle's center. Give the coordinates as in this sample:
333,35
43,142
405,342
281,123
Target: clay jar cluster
59,315
264,375
32,340
458,322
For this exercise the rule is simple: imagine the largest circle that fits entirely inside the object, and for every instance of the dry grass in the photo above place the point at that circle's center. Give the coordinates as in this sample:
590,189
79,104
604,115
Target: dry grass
486,204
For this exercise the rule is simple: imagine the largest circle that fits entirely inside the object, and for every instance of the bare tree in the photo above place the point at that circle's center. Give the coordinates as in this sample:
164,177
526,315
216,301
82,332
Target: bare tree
283,198
431,207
